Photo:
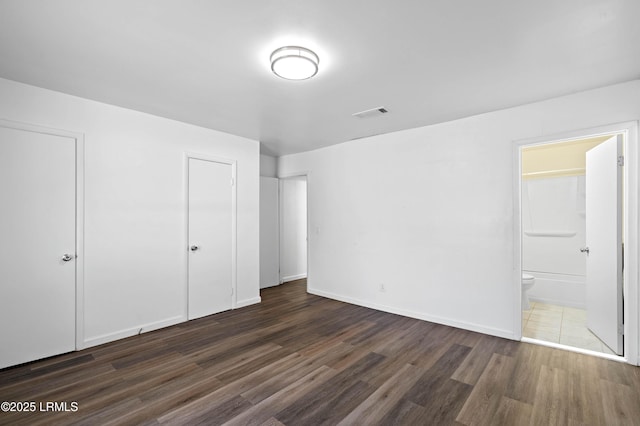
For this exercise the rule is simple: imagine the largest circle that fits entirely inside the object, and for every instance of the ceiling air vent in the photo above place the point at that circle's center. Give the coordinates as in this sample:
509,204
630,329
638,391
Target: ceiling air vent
371,112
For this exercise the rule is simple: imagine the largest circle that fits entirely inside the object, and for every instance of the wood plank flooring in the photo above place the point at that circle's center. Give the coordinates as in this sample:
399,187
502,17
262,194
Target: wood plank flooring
299,359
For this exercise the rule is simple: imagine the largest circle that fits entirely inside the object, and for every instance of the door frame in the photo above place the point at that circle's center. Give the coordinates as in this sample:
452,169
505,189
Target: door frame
79,208
234,230
631,226
281,177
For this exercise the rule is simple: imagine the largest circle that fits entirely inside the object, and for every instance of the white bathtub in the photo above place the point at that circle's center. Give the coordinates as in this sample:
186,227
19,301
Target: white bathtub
558,289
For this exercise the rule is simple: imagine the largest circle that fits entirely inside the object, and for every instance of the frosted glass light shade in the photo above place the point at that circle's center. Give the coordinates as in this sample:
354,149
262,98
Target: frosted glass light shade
294,63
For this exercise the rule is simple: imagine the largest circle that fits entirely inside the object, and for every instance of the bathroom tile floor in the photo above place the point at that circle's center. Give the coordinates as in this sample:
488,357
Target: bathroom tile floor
559,324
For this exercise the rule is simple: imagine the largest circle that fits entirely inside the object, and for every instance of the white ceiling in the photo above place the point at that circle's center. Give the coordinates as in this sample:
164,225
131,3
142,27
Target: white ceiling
426,61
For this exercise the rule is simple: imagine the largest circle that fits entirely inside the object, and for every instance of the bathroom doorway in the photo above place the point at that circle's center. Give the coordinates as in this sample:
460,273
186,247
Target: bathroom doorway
566,301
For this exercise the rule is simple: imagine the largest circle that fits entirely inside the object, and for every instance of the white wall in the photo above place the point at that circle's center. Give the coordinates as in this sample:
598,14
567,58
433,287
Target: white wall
293,225
428,212
268,166
135,263
554,230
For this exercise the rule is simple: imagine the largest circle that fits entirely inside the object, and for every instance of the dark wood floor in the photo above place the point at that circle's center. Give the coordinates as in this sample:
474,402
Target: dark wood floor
299,359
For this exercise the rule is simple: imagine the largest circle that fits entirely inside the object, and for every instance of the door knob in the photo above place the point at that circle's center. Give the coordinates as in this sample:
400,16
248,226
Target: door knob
67,257
584,250
193,248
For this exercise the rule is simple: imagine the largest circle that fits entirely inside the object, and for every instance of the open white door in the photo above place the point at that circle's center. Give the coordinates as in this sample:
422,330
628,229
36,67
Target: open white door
604,242
210,237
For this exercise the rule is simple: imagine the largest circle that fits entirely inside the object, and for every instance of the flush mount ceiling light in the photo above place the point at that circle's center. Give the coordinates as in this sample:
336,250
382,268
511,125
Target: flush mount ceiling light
294,63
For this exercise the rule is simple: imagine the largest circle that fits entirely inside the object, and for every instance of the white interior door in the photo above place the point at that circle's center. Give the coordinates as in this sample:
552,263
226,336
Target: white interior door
269,233
604,242
37,245
210,237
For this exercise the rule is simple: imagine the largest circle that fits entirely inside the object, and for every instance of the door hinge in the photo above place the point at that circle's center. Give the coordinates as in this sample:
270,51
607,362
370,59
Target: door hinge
621,329
233,182
621,160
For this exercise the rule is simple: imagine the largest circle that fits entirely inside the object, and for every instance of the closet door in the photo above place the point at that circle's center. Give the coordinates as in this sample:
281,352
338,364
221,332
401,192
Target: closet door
37,245
210,237
269,233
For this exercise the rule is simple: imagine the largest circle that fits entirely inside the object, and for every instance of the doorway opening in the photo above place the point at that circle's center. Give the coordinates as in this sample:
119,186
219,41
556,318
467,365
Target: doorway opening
576,210
293,229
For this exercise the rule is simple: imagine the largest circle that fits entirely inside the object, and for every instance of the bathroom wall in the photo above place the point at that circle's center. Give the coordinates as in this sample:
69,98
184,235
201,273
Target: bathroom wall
557,159
553,224
554,220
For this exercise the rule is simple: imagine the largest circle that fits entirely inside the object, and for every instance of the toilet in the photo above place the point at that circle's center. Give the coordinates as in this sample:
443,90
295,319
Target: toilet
527,282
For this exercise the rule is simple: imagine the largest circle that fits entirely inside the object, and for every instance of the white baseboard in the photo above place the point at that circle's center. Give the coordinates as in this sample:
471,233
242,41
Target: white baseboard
269,285
293,277
507,334
247,302
110,337
122,334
